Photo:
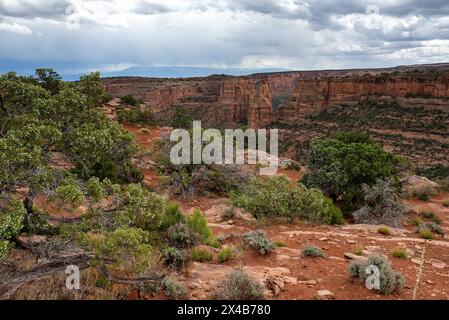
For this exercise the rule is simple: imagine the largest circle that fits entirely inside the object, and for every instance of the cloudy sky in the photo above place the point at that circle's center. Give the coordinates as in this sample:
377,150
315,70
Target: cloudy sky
77,36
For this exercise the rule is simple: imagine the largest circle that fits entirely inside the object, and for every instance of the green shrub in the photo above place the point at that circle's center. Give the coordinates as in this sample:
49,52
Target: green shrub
429,215
225,254
144,208
446,203
175,258
12,216
417,221
239,286
311,251
358,251
258,241
130,100
4,248
198,223
201,255
435,228
182,119
390,281
125,245
173,215
341,164
174,289
280,244
135,116
384,230
399,253
336,213
275,197
182,236
102,282
426,234
423,194
381,205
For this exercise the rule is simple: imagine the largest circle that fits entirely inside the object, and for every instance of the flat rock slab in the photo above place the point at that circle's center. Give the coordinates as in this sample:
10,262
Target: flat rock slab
205,277
373,229
351,256
324,295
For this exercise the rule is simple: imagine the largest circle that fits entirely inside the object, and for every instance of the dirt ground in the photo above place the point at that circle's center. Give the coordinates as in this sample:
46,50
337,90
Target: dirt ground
426,269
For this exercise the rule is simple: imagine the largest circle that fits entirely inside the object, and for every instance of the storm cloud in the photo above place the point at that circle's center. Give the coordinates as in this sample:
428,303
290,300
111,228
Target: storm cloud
82,35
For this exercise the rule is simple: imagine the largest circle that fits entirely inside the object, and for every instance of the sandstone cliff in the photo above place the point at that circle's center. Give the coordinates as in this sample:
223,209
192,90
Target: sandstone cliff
259,99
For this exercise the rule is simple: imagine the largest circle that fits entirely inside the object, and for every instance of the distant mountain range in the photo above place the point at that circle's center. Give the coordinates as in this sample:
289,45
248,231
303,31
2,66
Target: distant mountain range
179,72
28,68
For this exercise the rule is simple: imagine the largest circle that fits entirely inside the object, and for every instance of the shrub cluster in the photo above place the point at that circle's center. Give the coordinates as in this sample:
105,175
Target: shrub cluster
239,286
275,197
258,241
311,251
390,281
382,206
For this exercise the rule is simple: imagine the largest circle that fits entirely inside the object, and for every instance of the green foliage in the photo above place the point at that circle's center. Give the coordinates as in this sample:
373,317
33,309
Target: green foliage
275,197
90,85
174,289
423,194
4,248
381,205
181,119
175,258
384,230
341,164
144,208
280,244
258,241
226,254
432,226
130,100
135,116
337,217
102,282
201,255
183,236
124,245
239,286
11,219
188,180
390,281
446,203
95,189
69,192
429,215
311,251
434,172
173,215
48,79
399,253
426,234
417,221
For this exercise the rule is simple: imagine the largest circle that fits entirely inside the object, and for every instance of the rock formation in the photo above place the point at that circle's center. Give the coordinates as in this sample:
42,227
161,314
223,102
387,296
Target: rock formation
259,99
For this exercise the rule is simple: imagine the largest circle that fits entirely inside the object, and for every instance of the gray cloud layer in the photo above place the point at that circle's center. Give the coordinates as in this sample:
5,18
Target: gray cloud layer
265,33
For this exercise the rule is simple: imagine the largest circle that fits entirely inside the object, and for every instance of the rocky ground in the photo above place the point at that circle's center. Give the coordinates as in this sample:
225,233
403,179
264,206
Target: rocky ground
289,276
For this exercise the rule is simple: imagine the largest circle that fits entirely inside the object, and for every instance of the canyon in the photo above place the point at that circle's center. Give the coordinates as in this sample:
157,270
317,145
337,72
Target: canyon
295,101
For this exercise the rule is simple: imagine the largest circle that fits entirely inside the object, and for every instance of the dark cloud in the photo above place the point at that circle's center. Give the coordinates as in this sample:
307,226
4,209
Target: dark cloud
34,8
150,8
297,34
